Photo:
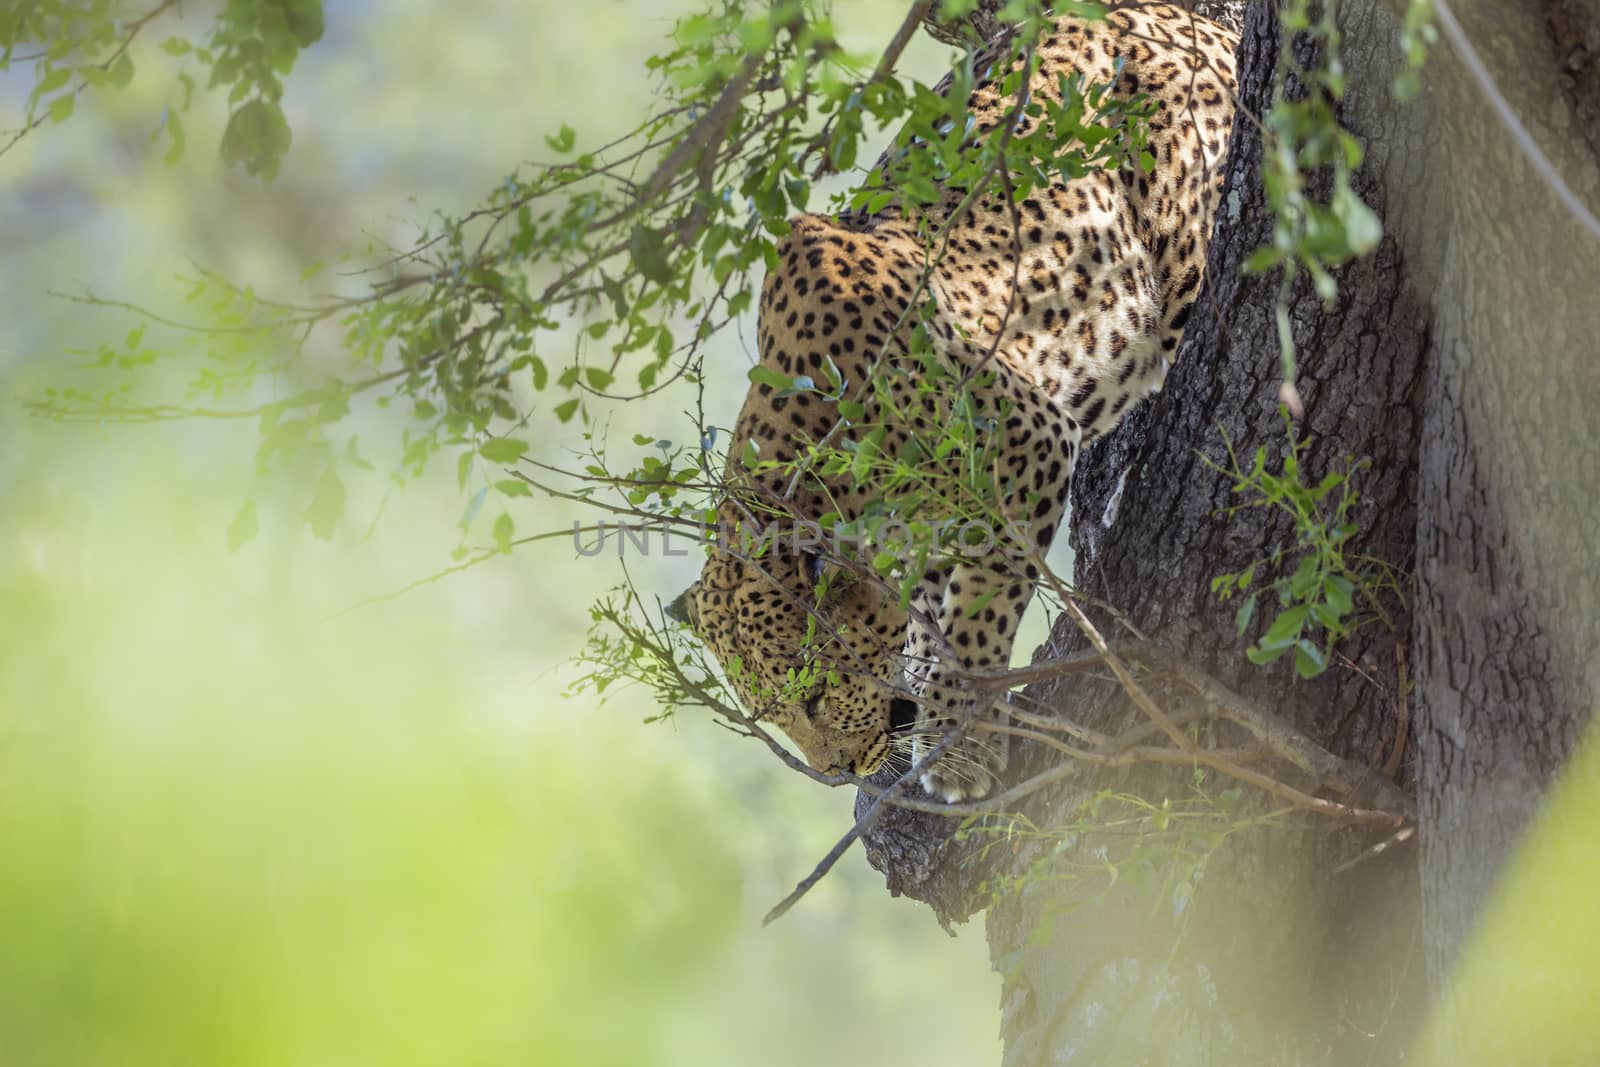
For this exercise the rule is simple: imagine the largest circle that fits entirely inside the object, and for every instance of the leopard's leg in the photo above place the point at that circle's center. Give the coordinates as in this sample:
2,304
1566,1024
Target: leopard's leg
923,642
977,621
980,608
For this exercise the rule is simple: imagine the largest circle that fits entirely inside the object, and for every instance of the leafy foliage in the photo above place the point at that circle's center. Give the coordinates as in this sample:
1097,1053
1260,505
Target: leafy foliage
1324,592
628,256
595,278
85,45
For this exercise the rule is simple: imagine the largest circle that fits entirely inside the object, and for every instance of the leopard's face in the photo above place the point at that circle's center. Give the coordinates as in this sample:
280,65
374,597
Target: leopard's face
813,668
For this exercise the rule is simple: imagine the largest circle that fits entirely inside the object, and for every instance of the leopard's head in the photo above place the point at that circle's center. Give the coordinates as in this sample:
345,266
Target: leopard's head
814,664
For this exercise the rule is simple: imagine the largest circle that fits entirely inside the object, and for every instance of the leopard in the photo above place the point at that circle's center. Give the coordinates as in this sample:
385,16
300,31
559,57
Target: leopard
1059,309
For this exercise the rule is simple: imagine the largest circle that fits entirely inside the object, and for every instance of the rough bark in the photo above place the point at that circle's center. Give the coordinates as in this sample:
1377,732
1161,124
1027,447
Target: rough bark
1510,480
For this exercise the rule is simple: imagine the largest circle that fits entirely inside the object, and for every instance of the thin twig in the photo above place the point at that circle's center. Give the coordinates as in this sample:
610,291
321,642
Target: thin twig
901,38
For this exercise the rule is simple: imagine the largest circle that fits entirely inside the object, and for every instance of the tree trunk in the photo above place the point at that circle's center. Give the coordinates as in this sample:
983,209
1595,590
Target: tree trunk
1458,360
1510,478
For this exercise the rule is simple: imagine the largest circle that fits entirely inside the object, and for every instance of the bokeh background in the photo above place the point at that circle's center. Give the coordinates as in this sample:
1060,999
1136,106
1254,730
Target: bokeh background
246,819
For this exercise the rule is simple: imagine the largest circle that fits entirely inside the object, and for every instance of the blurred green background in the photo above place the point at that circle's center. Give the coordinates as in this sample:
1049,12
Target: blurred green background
240,824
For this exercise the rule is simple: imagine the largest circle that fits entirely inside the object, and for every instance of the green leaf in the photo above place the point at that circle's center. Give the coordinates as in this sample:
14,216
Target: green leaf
1339,593
512,487
1304,578
1246,612
599,378
61,107
327,506
174,128
1261,656
53,80
980,603
121,72
1262,259
566,408
474,506
649,254
256,136
761,375
1362,227
1285,629
504,529
541,374
503,449
1327,616
870,447
305,20
1309,660
616,294
242,530
563,141
353,456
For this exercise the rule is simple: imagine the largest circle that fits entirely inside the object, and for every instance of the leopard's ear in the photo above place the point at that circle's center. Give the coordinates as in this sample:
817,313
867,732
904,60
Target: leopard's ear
683,609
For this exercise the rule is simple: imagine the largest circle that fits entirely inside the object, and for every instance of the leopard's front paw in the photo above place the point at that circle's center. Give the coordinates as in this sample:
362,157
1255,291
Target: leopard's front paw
970,769
957,777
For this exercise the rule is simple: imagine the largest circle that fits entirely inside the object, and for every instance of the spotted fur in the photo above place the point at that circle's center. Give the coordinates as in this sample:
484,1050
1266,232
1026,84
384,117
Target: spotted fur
1077,312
